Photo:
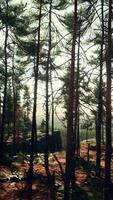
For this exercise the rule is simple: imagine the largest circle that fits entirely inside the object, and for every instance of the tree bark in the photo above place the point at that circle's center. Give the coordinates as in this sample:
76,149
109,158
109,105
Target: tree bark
5,91
77,98
34,128
52,111
99,122
14,103
108,100
70,149
47,92
51,177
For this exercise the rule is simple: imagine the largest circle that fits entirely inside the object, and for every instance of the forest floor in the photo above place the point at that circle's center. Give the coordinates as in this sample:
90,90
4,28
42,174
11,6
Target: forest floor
88,185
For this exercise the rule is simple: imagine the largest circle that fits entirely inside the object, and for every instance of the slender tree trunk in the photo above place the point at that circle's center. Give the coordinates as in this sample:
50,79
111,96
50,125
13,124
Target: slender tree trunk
87,133
0,107
77,97
108,100
5,92
51,177
14,103
99,122
103,142
52,112
14,118
35,63
34,129
70,149
47,92
78,134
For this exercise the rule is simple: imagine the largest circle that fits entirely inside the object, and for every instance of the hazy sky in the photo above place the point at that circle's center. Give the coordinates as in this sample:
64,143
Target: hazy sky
61,59
56,83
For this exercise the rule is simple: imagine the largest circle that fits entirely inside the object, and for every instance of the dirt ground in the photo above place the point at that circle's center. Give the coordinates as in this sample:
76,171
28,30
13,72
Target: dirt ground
88,186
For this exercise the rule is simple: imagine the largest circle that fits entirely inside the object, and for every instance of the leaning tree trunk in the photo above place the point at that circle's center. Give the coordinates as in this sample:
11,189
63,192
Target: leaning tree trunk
70,149
99,120
5,92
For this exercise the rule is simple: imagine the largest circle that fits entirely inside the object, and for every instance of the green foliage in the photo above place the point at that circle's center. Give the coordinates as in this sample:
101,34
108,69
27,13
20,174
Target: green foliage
21,157
61,4
69,21
9,106
42,126
28,47
26,101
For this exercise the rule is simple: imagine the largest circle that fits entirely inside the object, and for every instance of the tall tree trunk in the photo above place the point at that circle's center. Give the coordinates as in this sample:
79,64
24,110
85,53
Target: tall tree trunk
52,111
99,122
34,129
5,91
51,178
103,142
77,98
14,102
35,64
70,148
47,92
0,106
78,133
108,100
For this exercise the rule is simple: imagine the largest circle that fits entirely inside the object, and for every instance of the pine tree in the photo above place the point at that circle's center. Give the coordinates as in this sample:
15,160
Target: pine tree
34,128
5,81
108,99
99,120
70,149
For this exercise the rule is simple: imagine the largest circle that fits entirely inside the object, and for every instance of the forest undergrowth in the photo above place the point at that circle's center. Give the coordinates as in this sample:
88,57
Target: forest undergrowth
88,186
